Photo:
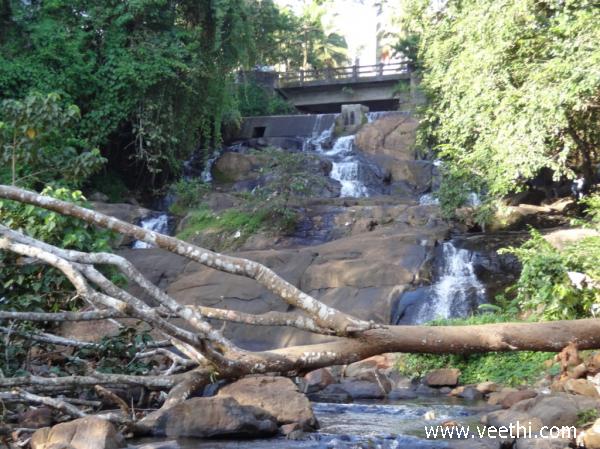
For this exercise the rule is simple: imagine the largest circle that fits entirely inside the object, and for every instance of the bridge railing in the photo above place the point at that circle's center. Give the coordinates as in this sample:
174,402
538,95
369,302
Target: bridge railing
332,75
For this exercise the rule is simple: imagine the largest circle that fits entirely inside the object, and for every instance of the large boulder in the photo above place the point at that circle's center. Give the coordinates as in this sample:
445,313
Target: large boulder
83,433
563,237
581,386
317,380
220,416
278,396
549,410
231,167
362,389
392,135
444,377
362,274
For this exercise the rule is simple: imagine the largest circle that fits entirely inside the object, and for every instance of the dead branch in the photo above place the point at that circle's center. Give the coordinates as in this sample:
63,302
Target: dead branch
326,316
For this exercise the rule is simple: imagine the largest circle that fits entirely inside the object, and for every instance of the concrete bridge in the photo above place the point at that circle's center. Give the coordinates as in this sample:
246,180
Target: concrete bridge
325,91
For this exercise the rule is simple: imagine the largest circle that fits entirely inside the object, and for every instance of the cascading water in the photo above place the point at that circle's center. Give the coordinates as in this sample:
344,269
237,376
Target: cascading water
346,167
456,292
157,222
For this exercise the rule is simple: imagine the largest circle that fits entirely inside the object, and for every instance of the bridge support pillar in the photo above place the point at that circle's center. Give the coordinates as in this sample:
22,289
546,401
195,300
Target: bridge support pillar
351,118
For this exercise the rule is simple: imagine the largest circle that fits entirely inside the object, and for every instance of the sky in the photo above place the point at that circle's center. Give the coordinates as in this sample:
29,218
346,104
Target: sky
356,21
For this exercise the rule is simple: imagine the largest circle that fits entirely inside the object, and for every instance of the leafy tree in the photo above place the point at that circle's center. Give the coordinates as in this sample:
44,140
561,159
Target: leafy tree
38,144
513,86
153,79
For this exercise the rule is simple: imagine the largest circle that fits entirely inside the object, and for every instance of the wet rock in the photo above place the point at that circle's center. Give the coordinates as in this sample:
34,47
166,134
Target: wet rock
278,396
537,443
35,418
333,393
444,377
360,389
317,380
581,386
231,167
424,390
83,433
209,417
470,394
516,396
557,409
497,397
402,393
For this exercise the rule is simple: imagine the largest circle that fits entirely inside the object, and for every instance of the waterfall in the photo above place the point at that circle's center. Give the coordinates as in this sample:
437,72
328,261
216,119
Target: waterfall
346,168
457,291
157,222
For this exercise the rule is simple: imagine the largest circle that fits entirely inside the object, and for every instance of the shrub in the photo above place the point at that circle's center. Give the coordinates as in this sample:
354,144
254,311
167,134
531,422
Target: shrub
509,368
544,287
33,286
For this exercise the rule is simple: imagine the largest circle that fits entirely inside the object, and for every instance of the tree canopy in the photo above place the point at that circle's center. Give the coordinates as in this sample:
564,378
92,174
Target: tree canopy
153,79
513,86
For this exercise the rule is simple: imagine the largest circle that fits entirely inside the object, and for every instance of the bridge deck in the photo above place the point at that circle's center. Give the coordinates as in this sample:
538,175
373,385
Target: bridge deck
344,75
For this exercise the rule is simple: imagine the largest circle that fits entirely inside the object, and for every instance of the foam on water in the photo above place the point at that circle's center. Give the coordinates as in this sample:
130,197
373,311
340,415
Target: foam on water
158,222
457,290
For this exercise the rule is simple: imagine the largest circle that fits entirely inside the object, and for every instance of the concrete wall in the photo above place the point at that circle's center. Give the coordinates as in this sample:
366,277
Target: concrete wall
285,126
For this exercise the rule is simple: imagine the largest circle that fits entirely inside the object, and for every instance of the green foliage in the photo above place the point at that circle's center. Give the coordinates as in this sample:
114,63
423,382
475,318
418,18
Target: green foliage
290,175
28,286
152,78
188,193
37,141
544,288
117,354
110,184
255,100
513,368
512,87
592,209
586,417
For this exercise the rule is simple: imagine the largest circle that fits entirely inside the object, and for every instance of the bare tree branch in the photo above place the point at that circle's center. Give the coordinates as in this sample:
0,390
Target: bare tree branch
326,316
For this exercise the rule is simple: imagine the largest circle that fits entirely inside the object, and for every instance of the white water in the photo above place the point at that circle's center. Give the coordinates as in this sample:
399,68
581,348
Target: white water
457,291
345,165
157,223
428,200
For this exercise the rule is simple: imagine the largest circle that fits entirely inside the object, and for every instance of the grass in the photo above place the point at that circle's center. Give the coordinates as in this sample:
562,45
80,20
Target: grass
507,368
230,221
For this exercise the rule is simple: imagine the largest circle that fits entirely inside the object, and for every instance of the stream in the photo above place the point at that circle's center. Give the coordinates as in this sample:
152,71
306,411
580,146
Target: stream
365,425
454,291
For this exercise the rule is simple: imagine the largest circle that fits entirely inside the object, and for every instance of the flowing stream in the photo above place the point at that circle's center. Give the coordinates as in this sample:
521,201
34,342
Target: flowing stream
157,222
381,425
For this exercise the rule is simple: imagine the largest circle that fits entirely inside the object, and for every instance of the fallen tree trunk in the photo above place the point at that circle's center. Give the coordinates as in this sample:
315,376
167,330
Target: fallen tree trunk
208,353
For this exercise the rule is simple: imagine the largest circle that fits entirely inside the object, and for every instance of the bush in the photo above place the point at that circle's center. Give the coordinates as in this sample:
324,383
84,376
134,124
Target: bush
508,368
544,287
33,286
38,143
188,193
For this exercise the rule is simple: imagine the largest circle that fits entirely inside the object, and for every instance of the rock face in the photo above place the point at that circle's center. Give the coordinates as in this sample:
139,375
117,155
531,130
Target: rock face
277,396
211,417
445,377
83,433
390,136
362,273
